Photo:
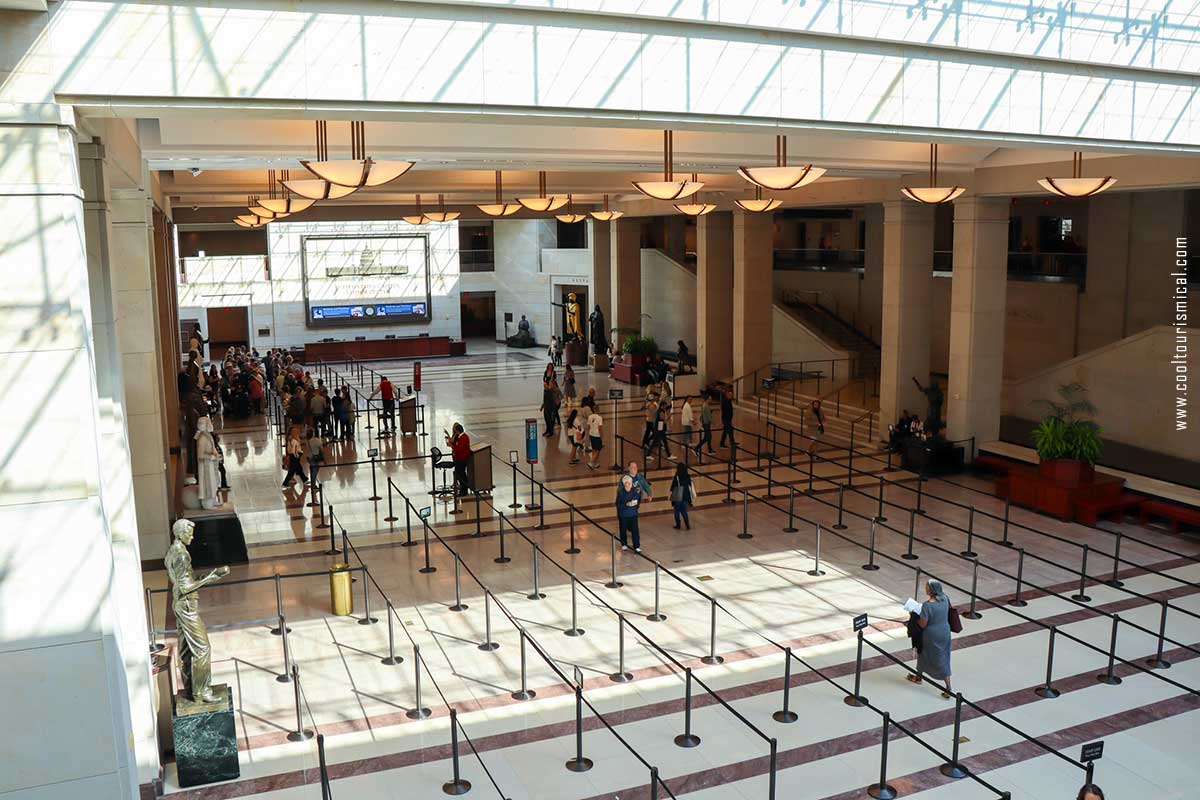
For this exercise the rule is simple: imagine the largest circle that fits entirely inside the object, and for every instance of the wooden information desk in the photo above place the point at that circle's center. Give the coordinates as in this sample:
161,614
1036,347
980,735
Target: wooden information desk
367,349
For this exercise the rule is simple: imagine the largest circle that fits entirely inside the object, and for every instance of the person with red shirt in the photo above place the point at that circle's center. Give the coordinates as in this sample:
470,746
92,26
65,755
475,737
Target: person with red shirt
460,450
385,391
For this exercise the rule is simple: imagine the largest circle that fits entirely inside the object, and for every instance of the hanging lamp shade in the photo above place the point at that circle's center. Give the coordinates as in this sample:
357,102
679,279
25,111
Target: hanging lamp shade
357,171
1077,185
543,203
781,177
696,208
288,203
441,215
249,221
416,219
607,214
668,188
499,208
314,189
759,204
932,194
570,218
257,209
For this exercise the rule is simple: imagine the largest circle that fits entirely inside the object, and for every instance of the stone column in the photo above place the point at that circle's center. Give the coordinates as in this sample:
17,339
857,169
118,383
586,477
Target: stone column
977,298
714,296
601,242
73,647
907,277
675,244
626,277
753,293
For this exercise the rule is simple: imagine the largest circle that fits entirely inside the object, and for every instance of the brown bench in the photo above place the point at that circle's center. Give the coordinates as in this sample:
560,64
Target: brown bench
1089,512
1176,513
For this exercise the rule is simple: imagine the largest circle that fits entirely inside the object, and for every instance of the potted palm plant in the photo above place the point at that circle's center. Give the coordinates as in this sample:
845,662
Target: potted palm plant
1068,439
639,349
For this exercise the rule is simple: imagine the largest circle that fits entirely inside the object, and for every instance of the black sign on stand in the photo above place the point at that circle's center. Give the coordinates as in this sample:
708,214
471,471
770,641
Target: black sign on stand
1092,751
373,452
513,456
616,394
860,622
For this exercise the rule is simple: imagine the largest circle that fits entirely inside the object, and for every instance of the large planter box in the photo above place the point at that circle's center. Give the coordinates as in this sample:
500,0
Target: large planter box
1067,471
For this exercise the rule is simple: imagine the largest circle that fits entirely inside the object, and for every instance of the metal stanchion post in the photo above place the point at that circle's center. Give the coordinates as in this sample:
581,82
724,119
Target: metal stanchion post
459,605
909,555
531,505
745,534
969,552
1080,596
374,489
841,503
427,568
879,517
537,593
712,657
1108,676
1004,542
816,571
881,790
621,676
733,460
1017,601
324,523
1114,581
155,645
502,558
572,549
871,566
728,483
300,734
367,619
392,659
418,711
286,675
332,551
857,698
953,768
541,507
459,785
613,583
1158,662
657,616
487,645
972,613
391,515
579,763
786,715
574,630
917,583
687,738
408,542
791,526
811,457
277,630
515,503
920,493
1048,691
525,693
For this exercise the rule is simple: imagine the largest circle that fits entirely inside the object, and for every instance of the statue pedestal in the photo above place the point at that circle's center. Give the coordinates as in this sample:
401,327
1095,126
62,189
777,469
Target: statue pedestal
205,739
575,354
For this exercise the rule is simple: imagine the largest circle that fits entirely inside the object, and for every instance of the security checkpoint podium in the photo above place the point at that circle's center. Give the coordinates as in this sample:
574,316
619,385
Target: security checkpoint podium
479,469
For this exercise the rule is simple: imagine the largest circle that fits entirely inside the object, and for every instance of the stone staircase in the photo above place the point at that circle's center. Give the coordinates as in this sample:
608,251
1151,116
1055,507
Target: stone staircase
833,328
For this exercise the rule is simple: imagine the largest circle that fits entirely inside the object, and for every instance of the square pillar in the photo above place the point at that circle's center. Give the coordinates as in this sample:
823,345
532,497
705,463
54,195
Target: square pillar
907,282
977,299
714,296
601,242
753,292
626,277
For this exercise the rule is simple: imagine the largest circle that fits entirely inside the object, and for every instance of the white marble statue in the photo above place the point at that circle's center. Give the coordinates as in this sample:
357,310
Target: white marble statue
207,458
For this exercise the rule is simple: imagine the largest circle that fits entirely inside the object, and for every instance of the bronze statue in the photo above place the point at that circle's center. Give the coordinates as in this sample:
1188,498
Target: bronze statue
574,318
933,394
599,333
195,653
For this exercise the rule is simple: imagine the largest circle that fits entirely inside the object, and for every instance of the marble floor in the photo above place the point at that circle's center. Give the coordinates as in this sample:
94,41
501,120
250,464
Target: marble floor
736,586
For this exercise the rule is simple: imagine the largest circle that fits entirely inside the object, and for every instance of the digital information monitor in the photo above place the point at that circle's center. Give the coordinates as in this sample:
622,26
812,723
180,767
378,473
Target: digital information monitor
365,279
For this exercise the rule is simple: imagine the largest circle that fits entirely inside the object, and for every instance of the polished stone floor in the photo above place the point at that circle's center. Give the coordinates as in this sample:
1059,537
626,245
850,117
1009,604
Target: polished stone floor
741,599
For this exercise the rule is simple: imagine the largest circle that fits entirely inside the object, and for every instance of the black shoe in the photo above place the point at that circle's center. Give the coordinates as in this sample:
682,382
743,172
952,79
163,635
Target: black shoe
676,527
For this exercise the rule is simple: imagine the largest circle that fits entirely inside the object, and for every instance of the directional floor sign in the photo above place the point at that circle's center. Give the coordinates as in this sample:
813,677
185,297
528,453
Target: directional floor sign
860,622
616,394
425,512
1092,751
531,441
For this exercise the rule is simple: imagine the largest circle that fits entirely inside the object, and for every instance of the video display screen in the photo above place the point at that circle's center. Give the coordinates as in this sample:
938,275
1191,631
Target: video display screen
366,279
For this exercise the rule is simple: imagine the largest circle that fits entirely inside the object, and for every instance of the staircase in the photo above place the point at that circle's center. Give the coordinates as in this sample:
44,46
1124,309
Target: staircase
839,332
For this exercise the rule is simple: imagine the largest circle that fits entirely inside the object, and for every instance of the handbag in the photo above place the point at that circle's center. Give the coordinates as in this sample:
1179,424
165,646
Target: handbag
954,620
692,492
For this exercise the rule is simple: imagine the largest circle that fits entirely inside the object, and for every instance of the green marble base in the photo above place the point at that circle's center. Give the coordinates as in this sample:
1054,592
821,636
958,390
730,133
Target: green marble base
205,739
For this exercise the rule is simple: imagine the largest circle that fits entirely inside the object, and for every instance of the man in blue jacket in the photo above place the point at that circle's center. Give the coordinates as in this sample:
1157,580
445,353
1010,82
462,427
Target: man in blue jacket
628,498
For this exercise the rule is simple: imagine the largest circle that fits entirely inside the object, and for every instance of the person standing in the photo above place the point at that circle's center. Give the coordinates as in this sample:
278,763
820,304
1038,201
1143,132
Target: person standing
294,451
818,415
639,480
577,423
595,427
934,659
549,406
659,443
706,420
315,455
628,498
651,413
388,395
569,386
460,450
685,420
318,408
727,417
681,495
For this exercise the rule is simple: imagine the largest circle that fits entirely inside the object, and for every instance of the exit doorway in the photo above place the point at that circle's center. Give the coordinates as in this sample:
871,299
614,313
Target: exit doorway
478,311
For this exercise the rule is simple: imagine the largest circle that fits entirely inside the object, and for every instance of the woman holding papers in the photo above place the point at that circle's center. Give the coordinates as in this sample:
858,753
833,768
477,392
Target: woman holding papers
934,657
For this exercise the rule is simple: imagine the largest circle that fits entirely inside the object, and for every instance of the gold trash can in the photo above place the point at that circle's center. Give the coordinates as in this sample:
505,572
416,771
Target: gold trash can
341,598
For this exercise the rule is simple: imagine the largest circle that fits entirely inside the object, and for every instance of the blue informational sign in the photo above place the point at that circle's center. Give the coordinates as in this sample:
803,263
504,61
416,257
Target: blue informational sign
368,311
531,441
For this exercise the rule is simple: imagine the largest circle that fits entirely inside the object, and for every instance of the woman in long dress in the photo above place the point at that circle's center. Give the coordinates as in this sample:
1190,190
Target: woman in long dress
207,465
934,658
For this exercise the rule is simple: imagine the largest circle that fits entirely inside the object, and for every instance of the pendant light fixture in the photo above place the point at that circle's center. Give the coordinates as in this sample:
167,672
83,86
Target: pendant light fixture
570,218
607,215
441,215
319,188
500,208
542,203
254,206
359,170
287,204
759,204
781,177
696,208
1077,185
416,219
932,194
249,221
668,188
